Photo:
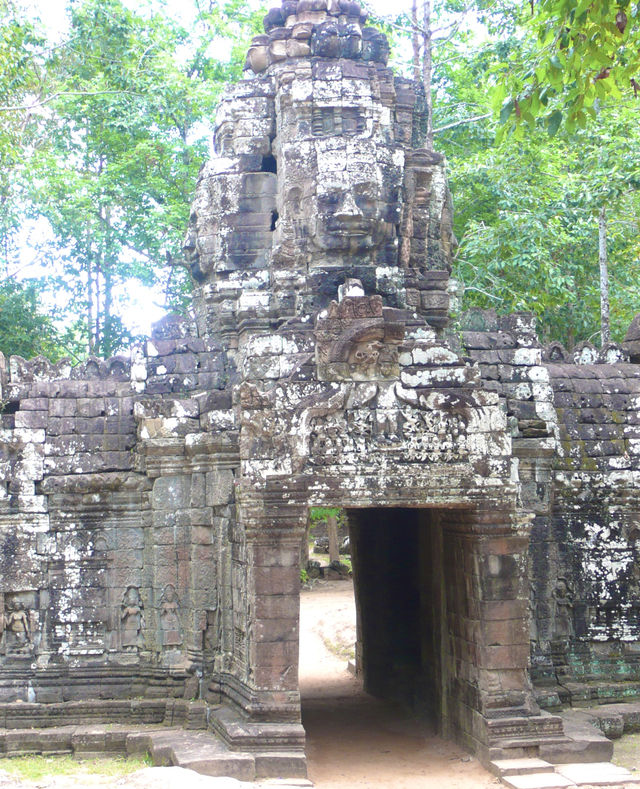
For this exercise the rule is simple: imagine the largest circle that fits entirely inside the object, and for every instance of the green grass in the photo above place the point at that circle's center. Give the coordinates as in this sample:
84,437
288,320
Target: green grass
34,768
626,751
339,649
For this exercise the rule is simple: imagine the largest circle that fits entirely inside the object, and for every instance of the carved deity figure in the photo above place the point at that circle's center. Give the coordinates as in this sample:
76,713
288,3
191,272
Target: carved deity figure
169,617
364,357
18,630
131,619
563,610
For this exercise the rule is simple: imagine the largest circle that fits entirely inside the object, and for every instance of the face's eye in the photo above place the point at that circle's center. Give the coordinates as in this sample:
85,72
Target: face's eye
330,200
366,204
366,197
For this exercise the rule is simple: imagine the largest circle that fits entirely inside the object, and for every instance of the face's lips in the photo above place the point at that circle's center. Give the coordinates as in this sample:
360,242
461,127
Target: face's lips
355,227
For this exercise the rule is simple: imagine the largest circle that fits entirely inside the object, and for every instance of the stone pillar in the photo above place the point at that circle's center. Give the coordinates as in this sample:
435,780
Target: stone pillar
486,589
273,586
266,605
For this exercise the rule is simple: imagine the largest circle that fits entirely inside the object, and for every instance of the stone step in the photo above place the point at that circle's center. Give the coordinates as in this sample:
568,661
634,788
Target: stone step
584,743
565,775
525,766
597,774
522,747
537,781
202,752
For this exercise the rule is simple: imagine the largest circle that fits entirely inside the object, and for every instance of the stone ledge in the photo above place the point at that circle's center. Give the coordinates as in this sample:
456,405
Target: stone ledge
133,712
203,752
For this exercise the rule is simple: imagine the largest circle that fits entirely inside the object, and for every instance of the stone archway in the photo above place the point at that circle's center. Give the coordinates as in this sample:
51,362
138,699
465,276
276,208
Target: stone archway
462,587
441,617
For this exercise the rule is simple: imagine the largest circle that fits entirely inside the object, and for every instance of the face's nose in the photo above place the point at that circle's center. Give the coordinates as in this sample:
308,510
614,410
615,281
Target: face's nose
348,208
189,242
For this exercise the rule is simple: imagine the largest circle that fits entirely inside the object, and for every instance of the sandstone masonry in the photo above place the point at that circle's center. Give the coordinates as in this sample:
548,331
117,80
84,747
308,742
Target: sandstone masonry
152,508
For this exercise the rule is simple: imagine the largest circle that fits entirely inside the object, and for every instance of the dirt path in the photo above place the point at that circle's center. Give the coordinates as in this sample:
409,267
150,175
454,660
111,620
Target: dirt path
354,740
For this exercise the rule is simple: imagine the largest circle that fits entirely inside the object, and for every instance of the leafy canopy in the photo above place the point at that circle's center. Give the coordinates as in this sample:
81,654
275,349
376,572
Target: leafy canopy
24,329
103,135
573,54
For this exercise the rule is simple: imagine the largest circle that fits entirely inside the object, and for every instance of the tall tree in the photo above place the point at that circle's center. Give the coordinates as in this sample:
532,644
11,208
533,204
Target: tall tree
23,83
126,111
526,209
25,329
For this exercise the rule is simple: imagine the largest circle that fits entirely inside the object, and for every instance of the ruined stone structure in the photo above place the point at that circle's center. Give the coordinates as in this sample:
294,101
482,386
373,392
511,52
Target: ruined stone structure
152,508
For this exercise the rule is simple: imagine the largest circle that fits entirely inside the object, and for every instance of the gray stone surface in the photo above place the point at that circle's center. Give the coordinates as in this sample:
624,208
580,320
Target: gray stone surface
506,767
537,781
597,774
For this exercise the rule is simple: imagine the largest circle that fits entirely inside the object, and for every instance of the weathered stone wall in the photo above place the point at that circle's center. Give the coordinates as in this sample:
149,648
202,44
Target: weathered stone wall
575,420
109,564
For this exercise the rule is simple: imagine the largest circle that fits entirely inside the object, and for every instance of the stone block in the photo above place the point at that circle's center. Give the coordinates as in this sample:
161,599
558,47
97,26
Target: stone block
541,780
596,774
276,606
276,654
275,580
219,487
170,493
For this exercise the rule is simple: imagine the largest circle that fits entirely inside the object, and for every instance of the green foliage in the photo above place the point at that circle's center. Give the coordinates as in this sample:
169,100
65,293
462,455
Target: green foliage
320,514
573,55
527,223
526,206
115,181
22,80
24,329
111,163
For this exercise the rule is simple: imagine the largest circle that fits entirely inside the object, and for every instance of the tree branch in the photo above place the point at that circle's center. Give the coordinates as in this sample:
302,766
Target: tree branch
54,96
484,292
462,122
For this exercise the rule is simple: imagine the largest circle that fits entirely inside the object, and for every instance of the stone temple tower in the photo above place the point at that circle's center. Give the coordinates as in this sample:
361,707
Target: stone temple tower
320,244
153,508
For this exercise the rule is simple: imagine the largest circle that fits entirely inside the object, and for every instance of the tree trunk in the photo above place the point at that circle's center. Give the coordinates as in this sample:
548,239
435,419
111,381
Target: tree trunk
605,333
90,342
96,328
332,532
107,299
415,40
427,68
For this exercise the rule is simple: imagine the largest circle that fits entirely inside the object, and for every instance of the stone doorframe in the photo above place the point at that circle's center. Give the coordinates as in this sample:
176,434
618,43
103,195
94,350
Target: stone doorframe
487,634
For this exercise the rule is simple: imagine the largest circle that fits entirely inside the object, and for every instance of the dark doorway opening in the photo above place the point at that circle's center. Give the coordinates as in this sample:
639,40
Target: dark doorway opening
400,592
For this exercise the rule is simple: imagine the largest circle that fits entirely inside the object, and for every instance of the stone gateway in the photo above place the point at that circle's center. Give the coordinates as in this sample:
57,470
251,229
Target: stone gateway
152,508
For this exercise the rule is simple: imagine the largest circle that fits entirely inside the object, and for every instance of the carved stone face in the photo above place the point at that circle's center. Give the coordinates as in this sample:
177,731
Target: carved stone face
132,597
351,217
191,251
338,171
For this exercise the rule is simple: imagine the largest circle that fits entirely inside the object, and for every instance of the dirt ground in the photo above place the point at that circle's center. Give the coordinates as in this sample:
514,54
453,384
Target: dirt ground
353,740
